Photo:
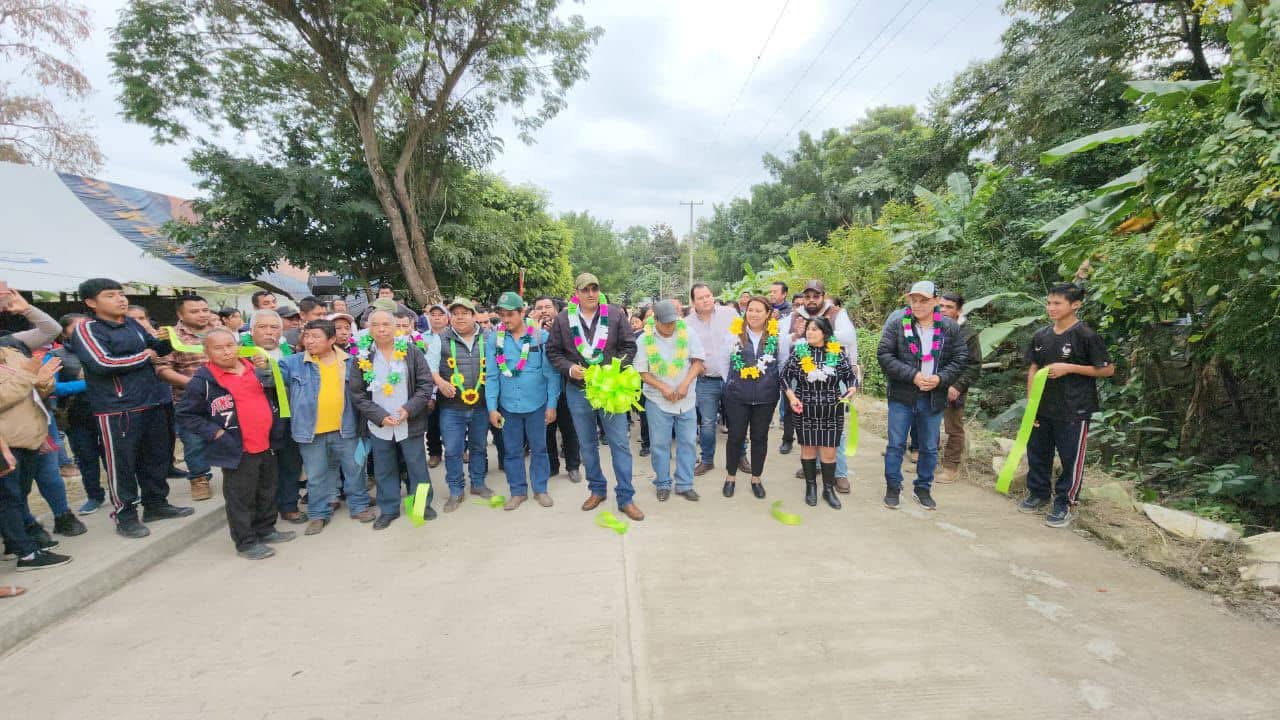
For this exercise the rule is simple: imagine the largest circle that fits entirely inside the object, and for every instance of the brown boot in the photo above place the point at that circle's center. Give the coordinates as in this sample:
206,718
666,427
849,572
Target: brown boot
200,488
515,501
842,485
633,512
593,502
947,474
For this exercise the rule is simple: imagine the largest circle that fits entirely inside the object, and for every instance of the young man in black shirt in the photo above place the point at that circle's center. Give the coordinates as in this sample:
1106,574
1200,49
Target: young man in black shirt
1075,356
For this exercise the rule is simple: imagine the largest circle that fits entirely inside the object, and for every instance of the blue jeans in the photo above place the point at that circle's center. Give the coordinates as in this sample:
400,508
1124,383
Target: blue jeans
470,427
386,470
615,430
518,429
927,422
661,423
323,457
42,470
193,454
842,462
708,392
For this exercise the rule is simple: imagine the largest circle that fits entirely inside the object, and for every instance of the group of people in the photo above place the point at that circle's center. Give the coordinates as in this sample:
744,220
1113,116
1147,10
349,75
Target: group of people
310,398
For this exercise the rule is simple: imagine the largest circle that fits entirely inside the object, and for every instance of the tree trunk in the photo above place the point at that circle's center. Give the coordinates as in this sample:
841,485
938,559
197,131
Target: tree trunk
1194,39
421,277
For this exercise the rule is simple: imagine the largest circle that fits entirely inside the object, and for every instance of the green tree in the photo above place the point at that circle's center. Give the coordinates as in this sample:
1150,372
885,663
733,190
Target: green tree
416,85
597,249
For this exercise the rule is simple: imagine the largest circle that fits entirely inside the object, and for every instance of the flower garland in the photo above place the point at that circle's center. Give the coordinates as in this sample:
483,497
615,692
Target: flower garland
593,355
767,356
657,365
813,373
913,335
364,348
501,357
470,396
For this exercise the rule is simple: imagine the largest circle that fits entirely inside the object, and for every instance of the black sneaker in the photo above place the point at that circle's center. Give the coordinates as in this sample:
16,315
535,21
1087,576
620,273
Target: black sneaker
165,512
663,494
256,552
891,498
1060,517
41,536
175,473
689,494
923,497
1032,504
785,447
42,559
69,525
128,526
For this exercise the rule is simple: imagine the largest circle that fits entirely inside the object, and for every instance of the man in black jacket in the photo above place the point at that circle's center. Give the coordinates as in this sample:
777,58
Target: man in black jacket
576,342
922,354
130,403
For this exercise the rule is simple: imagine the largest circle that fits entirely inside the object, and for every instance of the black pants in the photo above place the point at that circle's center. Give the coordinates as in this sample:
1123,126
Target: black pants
563,423
288,477
435,446
1069,439
250,492
136,449
741,417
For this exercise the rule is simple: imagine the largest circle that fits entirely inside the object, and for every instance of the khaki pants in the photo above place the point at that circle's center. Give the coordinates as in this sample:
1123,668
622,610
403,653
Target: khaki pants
953,424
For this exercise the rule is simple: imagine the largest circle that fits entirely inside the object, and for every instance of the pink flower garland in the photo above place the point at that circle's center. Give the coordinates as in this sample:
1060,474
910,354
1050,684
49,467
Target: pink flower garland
910,334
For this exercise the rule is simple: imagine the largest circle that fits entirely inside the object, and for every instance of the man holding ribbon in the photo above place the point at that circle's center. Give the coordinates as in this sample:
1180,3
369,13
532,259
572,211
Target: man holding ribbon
922,353
265,332
522,401
669,359
391,390
177,369
463,423
590,332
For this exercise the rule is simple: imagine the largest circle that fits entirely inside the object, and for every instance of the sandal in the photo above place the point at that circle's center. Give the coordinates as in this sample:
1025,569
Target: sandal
8,591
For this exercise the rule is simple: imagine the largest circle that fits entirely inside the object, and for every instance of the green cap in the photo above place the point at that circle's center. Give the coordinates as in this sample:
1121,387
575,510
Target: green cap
510,301
584,281
463,302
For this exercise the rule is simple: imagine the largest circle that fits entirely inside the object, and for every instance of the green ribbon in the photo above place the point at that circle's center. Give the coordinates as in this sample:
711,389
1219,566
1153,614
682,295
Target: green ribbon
282,396
1024,432
783,516
610,521
415,506
613,388
494,501
851,427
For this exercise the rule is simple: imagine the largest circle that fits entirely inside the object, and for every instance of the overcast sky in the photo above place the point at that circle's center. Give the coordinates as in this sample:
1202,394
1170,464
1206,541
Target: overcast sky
656,123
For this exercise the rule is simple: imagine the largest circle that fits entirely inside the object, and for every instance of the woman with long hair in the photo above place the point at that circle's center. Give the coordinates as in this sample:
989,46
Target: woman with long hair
751,391
813,377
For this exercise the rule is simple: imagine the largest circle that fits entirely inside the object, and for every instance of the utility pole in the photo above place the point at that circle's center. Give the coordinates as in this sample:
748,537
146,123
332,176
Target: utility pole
659,260
690,203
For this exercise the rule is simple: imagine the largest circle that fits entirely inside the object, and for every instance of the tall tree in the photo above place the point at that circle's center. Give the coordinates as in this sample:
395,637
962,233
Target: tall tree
418,84
597,249
37,42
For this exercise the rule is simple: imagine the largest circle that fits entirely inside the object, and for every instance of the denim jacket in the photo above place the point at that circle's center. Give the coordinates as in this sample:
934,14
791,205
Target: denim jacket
302,379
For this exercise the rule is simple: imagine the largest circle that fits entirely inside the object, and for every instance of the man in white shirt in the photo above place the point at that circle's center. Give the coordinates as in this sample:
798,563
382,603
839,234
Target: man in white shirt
710,323
669,358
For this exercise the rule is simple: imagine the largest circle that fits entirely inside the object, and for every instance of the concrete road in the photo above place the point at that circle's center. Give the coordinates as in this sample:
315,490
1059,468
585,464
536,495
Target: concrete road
703,610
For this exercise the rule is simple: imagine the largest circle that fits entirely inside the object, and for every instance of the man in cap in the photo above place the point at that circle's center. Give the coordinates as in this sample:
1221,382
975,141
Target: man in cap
521,398
815,303
292,320
437,323
669,359
464,425
921,353
593,332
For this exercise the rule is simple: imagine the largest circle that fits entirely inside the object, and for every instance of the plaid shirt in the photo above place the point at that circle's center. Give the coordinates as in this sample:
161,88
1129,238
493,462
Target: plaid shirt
181,362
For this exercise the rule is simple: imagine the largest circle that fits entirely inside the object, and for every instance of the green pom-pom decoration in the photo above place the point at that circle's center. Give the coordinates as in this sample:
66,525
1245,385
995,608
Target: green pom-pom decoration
613,388
393,378
368,377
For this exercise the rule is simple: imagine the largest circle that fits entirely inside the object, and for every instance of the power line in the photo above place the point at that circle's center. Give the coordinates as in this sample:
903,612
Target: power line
750,73
848,16
962,22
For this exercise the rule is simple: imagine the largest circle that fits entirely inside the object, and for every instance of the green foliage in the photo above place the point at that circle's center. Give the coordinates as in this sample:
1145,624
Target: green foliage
873,381
597,249
854,264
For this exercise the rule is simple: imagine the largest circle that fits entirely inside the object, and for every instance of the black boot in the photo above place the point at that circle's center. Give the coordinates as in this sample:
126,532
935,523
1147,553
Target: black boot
810,468
829,485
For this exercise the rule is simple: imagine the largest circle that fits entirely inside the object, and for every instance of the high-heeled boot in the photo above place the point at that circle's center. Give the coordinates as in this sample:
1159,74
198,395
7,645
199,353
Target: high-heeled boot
810,468
829,485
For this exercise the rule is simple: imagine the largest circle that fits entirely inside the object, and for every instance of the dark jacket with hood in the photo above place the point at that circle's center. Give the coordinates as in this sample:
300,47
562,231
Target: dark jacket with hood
207,407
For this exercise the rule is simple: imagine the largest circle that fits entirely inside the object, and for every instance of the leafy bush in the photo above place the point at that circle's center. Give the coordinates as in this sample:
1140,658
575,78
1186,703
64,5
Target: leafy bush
873,382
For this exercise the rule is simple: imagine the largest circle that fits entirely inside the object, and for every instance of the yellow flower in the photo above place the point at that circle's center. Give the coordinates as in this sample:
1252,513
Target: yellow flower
470,396
451,363
807,365
386,388
750,373
365,364
735,327
773,326
833,347
398,355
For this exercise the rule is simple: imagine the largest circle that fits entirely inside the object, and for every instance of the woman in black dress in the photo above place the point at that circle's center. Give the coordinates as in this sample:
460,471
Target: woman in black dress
817,368
751,391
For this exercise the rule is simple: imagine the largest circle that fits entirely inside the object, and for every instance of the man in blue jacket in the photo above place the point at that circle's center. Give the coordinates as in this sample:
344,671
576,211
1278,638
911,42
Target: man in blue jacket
922,353
129,402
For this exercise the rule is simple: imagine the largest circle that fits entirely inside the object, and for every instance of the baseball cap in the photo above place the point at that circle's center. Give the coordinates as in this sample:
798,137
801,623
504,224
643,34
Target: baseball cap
343,316
285,311
584,280
816,285
385,305
440,307
463,302
510,301
665,312
923,287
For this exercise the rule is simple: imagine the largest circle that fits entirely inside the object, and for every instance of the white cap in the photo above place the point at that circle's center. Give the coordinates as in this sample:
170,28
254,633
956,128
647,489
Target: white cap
924,287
